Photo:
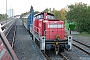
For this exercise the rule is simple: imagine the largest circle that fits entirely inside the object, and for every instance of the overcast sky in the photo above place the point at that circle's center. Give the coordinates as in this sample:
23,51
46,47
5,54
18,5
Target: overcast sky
21,6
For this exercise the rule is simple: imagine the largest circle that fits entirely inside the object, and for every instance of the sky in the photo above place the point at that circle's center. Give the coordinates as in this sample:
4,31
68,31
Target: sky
21,6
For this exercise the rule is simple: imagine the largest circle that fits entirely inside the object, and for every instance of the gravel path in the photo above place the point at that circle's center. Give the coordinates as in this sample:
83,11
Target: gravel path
24,47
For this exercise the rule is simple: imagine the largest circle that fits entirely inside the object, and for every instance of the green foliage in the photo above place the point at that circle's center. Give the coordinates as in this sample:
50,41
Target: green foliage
55,12
84,34
36,12
46,10
62,14
79,13
72,27
88,31
23,14
2,16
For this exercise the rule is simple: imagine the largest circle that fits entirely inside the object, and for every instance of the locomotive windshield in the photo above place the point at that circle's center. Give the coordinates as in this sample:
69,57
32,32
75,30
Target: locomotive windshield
39,16
50,17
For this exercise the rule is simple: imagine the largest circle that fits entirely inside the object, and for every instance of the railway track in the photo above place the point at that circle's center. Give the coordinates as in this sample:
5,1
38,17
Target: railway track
51,56
11,35
81,43
67,55
9,29
83,47
6,51
63,56
47,57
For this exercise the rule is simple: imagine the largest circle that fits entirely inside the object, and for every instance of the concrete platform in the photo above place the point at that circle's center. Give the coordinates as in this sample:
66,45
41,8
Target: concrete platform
24,47
72,32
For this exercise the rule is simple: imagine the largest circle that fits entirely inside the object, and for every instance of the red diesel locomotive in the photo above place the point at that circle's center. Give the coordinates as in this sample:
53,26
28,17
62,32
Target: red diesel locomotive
49,32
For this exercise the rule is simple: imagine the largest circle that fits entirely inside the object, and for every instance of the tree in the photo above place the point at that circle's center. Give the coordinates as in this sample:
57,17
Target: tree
62,14
56,14
46,10
31,9
79,14
3,16
37,12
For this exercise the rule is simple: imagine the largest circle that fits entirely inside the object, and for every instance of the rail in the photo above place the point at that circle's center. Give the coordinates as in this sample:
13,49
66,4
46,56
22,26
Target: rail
64,57
6,27
57,57
47,57
14,37
3,21
81,43
81,46
7,46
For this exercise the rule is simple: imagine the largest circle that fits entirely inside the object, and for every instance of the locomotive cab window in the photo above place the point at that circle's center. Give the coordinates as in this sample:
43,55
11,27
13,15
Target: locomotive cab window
50,17
39,16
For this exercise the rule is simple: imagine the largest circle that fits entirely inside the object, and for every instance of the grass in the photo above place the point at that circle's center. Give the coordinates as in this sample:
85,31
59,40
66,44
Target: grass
84,34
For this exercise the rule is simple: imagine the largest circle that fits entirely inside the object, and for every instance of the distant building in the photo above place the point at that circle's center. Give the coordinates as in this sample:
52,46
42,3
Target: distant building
10,13
17,16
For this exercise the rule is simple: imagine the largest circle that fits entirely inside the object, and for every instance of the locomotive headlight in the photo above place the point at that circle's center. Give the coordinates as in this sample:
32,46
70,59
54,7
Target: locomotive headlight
57,36
56,43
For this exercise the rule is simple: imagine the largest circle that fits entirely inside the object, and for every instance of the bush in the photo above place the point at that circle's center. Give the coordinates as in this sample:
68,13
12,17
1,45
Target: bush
88,31
72,26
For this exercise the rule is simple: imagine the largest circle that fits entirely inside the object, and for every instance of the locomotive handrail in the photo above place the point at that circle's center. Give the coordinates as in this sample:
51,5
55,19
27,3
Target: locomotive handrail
38,30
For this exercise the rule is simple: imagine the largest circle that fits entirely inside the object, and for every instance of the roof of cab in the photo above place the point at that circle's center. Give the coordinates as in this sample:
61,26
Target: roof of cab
43,13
